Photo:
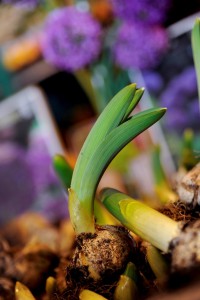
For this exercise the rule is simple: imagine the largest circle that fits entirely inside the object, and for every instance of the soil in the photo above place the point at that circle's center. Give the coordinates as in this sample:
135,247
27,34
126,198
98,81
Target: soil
32,250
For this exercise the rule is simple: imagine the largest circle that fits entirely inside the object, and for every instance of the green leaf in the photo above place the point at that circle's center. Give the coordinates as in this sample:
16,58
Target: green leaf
63,170
131,271
138,95
81,202
108,119
112,144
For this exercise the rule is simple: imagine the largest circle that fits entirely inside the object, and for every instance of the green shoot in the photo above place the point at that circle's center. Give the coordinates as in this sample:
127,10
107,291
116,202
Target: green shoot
22,292
126,286
113,130
146,222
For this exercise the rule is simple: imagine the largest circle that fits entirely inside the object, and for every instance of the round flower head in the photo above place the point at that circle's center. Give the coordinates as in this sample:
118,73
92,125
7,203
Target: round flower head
71,39
143,11
139,47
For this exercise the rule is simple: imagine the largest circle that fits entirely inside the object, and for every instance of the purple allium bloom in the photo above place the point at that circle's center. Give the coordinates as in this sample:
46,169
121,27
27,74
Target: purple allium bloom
180,98
71,38
25,4
139,47
142,11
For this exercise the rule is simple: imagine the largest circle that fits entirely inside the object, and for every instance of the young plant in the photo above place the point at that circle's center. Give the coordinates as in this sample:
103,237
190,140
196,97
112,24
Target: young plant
102,252
169,236
111,132
127,285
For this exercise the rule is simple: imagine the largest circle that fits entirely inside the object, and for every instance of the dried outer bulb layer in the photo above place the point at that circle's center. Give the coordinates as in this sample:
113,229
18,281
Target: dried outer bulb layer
188,188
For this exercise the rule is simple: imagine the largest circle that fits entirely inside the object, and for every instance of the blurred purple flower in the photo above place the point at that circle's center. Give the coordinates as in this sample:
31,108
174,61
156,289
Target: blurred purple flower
176,120
50,198
180,88
139,47
53,205
17,191
71,38
180,98
40,164
153,81
142,11
25,4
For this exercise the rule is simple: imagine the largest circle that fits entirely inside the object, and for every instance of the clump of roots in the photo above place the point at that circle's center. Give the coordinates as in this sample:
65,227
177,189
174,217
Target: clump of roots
179,211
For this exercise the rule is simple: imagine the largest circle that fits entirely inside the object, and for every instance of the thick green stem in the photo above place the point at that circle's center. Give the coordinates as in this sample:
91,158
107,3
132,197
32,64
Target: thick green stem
151,225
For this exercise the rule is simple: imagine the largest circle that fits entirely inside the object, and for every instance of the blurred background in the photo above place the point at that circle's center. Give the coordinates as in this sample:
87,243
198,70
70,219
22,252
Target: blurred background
60,64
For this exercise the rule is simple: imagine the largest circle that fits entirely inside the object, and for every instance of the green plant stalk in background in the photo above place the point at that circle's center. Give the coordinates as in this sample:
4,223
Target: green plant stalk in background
111,132
188,158
63,170
195,37
162,188
157,263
